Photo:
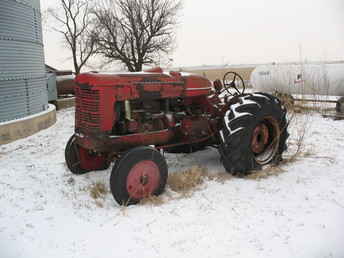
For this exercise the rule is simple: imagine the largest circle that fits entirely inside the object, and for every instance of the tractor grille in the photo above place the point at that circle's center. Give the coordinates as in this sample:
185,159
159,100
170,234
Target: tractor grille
87,113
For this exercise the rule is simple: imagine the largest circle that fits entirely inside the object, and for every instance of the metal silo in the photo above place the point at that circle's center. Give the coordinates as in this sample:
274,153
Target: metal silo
22,72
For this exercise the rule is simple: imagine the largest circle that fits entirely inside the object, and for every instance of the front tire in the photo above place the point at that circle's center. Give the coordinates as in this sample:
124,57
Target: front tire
138,174
80,161
254,133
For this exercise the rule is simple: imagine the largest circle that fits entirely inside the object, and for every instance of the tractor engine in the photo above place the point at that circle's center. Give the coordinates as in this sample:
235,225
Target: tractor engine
154,115
117,111
138,117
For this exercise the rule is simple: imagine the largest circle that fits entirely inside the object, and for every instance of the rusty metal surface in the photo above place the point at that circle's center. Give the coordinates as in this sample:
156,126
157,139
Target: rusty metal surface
105,143
116,112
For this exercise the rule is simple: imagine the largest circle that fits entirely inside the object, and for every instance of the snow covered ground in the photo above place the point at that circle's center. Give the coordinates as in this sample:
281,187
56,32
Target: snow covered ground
48,212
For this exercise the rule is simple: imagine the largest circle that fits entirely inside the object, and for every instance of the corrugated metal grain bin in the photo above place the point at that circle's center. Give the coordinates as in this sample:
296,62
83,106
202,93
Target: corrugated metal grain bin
22,72
51,87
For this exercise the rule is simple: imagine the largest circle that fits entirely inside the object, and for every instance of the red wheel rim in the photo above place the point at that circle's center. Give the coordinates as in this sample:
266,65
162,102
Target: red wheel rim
143,179
265,140
260,138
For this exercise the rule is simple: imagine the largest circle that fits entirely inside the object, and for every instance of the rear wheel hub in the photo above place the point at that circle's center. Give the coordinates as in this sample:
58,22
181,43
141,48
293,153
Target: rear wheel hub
260,138
265,140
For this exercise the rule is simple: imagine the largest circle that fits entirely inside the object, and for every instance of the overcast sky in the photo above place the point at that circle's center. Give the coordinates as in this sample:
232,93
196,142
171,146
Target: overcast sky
243,31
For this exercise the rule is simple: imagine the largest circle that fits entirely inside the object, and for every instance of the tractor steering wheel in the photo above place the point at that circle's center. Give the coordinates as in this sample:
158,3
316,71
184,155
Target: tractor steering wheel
229,81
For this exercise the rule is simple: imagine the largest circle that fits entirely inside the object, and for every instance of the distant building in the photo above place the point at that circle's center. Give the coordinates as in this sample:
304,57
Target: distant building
50,69
64,80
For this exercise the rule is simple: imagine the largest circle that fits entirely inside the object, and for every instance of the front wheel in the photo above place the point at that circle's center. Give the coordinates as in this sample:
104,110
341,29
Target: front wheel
80,161
138,174
254,133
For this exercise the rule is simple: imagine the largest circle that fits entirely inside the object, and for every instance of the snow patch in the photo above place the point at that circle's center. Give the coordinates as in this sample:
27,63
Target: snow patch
48,212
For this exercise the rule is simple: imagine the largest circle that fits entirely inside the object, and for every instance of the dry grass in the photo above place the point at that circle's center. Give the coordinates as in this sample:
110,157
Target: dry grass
185,181
272,170
300,121
97,190
286,100
220,177
153,200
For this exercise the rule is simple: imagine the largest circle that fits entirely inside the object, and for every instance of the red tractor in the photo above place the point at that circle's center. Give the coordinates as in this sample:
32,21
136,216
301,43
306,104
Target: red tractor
133,118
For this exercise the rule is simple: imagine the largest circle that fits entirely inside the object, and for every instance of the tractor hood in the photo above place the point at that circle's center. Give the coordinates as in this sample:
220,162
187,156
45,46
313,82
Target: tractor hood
162,84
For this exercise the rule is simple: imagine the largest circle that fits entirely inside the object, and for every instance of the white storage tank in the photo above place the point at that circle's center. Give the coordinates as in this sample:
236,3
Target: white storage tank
307,79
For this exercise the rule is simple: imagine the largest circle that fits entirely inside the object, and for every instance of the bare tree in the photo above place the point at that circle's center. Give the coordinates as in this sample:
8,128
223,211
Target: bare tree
135,32
74,18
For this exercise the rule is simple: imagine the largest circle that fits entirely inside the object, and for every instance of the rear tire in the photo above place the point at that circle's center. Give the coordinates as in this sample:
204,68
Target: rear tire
340,105
254,133
139,173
